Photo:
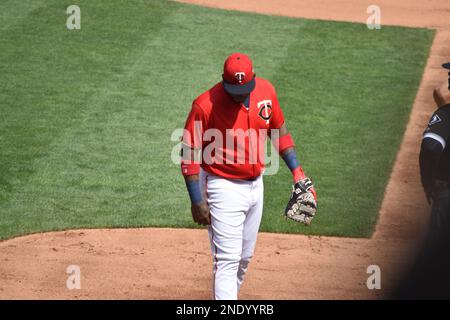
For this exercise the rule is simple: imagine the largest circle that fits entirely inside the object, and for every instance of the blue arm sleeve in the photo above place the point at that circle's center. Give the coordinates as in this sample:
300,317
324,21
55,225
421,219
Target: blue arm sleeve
291,160
194,190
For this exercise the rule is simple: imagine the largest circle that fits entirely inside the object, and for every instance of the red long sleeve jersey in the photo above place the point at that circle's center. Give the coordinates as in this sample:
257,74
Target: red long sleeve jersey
230,136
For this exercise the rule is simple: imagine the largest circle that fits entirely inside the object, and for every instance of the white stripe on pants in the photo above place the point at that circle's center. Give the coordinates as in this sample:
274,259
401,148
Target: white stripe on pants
236,211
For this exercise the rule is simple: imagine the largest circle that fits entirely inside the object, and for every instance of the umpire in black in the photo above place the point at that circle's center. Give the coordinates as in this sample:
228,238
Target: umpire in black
428,276
435,162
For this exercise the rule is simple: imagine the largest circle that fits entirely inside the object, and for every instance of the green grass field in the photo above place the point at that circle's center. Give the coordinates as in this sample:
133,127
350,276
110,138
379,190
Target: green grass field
86,116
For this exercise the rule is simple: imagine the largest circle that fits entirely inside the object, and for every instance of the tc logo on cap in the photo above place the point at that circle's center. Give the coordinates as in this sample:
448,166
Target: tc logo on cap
238,69
240,76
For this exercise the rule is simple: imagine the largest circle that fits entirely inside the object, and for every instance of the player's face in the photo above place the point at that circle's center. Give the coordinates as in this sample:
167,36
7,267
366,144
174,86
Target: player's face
239,98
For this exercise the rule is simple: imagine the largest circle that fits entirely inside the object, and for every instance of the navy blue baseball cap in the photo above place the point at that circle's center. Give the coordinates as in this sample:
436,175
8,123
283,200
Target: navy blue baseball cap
239,90
447,66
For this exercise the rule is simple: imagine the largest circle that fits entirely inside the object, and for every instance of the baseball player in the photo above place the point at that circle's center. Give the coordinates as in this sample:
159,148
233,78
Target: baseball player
223,162
435,161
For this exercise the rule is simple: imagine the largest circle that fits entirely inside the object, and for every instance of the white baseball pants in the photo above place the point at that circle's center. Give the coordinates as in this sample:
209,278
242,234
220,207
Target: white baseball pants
236,210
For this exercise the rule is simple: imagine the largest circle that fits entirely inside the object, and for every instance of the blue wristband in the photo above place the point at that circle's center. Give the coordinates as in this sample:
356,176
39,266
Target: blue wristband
291,160
195,193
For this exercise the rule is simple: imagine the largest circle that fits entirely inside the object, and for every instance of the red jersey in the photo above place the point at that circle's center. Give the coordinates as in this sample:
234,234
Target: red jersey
232,137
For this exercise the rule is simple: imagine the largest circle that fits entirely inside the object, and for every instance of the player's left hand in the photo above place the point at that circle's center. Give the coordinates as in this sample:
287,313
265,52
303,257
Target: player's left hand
302,205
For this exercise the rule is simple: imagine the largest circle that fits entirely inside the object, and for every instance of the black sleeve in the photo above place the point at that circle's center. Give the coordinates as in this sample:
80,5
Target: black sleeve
433,144
439,124
430,153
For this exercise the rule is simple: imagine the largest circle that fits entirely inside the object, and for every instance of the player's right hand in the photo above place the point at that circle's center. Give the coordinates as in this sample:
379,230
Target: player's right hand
200,213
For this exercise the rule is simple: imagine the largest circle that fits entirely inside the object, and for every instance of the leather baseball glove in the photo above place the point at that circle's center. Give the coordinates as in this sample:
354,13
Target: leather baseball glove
302,205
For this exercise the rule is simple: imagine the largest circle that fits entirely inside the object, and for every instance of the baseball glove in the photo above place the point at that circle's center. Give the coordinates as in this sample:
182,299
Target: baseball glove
302,205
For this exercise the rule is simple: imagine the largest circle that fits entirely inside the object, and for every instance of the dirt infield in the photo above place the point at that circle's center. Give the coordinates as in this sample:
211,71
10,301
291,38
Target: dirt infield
176,263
